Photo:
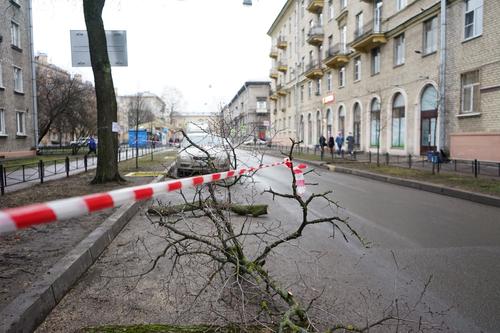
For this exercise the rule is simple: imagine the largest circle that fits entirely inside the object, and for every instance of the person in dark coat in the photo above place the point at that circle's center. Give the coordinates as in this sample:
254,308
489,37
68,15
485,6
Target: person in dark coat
340,141
350,143
92,146
331,145
322,145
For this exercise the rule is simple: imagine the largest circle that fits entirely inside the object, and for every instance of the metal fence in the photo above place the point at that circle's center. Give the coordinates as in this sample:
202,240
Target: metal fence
466,167
41,170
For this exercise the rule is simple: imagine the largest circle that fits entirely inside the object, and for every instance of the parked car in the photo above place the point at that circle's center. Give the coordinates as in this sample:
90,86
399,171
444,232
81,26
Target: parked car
191,160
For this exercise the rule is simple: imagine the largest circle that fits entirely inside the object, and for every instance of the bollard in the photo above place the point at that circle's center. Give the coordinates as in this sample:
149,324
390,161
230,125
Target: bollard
66,166
387,158
41,171
2,184
409,161
475,168
55,167
126,154
85,162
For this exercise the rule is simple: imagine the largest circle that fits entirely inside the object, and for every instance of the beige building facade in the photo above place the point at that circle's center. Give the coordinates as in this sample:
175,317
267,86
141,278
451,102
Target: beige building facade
17,114
370,68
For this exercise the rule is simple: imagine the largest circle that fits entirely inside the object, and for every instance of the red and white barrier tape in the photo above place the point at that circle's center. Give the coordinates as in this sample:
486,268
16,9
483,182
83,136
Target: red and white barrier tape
23,217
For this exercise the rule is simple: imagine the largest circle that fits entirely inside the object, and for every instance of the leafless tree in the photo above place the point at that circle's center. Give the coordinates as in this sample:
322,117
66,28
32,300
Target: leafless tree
139,113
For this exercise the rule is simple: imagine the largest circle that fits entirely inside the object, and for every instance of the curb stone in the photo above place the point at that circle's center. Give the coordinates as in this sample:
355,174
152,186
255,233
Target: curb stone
29,309
484,199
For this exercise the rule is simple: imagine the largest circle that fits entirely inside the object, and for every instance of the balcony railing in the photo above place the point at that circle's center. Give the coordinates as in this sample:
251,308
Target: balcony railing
337,55
369,35
280,89
282,67
274,52
315,35
273,74
313,70
282,44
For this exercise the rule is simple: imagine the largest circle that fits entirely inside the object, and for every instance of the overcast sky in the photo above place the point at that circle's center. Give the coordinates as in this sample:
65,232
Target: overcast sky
205,48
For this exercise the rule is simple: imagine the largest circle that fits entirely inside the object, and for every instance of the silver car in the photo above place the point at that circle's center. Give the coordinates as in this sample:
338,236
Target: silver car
191,160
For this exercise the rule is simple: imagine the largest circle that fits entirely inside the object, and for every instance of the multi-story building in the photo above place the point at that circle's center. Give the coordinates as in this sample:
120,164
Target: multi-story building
17,114
371,68
248,113
473,79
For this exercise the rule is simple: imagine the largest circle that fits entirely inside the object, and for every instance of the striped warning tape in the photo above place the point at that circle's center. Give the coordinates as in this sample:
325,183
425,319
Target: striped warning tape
22,217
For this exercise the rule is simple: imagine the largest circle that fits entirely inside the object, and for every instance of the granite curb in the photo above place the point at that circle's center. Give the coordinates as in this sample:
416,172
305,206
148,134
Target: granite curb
29,309
419,185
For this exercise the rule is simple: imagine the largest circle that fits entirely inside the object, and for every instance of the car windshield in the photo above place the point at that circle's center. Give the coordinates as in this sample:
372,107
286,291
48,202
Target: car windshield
202,140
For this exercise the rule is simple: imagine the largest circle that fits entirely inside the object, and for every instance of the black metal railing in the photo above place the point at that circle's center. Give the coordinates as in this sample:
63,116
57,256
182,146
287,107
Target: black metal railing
313,65
337,49
315,31
371,27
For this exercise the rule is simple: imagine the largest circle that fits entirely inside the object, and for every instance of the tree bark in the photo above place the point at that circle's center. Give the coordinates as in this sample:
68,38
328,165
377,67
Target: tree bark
107,152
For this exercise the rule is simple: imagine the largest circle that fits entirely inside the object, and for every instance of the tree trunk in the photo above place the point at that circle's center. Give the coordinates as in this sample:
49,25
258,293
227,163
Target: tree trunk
107,152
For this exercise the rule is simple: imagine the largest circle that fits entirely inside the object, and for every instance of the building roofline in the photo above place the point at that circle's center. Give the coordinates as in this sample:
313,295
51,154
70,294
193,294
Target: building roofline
246,84
280,16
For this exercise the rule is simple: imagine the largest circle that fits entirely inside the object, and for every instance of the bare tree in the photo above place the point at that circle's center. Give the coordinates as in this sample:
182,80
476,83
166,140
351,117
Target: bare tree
107,154
174,101
139,113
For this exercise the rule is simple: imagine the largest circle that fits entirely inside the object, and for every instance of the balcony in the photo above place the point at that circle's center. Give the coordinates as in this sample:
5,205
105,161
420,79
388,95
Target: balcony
315,6
273,74
369,36
273,53
282,44
280,89
315,35
336,56
282,67
273,95
313,70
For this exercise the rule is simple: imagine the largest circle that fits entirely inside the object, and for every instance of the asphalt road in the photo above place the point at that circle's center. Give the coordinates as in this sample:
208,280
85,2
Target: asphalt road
414,235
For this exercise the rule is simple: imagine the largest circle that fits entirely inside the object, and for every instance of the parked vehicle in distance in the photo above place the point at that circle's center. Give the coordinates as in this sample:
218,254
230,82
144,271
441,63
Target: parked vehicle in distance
258,142
191,160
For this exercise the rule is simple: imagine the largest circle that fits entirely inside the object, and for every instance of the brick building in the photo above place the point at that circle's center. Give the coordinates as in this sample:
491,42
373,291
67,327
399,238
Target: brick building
17,114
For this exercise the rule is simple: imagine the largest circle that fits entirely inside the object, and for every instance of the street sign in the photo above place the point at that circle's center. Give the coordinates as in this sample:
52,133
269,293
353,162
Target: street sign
117,48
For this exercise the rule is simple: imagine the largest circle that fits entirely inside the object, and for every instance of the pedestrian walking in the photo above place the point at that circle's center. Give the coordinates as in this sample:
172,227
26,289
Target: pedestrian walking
92,146
322,144
331,145
350,143
340,142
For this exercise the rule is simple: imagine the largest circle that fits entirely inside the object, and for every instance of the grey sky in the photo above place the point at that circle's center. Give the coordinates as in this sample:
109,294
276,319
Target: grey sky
205,48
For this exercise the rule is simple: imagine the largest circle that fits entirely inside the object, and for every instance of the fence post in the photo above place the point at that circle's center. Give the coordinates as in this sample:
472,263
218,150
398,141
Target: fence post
2,184
475,168
354,155
66,165
24,174
126,153
409,161
387,158
41,170
85,162
370,157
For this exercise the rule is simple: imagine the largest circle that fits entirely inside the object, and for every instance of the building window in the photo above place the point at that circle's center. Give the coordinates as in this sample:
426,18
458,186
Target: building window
2,121
343,4
318,87
21,123
18,79
357,69
470,92
331,12
302,93
398,121
341,119
329,81
303,64
309,89
342,76
430,36
375,122
473,18
359,24
302,8
329,124
261,104
400,4
303,36
399,50
357,124
1,76
290,25
15,35
375,60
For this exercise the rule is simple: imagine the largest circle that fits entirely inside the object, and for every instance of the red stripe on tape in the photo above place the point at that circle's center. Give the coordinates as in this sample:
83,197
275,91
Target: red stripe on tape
98,201
143,193
230,173
34,214
198,180
216,176
174,186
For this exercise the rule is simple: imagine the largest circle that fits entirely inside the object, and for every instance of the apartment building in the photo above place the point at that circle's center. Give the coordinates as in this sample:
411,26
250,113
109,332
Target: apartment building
473,79
248,113
17,115
372,68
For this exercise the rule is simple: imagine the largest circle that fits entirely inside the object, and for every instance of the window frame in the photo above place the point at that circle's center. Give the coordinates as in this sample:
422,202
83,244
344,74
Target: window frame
375,120
1,77
375,56
474,90
22,122
400,5
20,70
15,34
2,122
399,49
329,81
477,19
357,69
342,78
399,113
432,22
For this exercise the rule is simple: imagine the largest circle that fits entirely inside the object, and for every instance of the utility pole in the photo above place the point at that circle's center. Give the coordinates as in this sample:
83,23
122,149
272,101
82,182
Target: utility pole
442,80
